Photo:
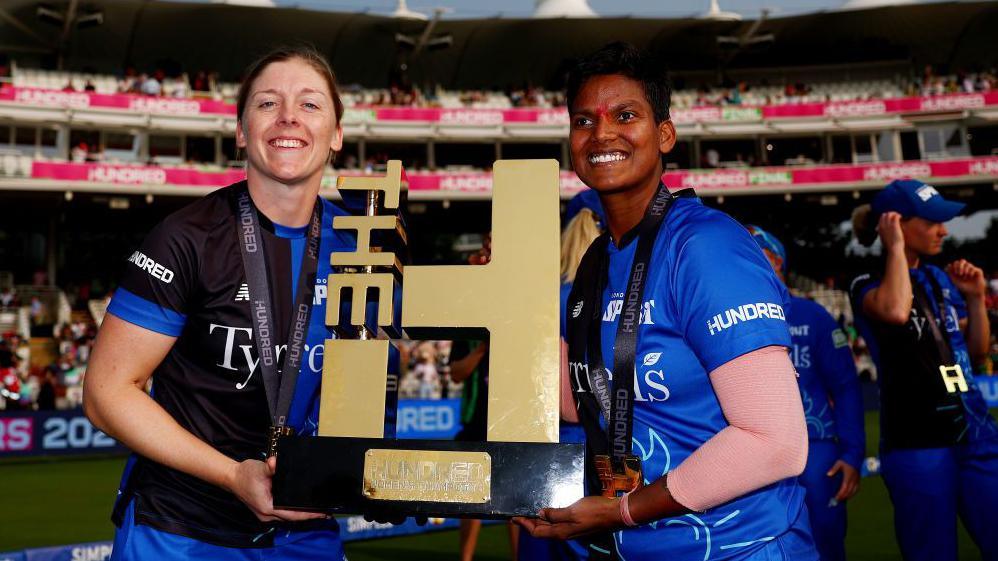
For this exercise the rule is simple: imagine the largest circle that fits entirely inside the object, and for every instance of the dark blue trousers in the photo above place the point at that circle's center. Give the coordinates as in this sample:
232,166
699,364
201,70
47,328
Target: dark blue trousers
828,519
138,542
930,487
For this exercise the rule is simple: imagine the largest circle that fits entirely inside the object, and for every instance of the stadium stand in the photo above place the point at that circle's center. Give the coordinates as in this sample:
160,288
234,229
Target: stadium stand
795,119
741,93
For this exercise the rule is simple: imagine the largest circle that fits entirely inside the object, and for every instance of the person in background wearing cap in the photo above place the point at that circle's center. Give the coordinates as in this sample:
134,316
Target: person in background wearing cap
925,326
833,407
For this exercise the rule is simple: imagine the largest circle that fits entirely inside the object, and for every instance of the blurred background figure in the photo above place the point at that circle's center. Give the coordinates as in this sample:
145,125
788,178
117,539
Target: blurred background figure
833,409
926,327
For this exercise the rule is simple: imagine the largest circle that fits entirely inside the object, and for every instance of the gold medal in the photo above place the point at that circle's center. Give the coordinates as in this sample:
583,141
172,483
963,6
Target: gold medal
614,483
954,379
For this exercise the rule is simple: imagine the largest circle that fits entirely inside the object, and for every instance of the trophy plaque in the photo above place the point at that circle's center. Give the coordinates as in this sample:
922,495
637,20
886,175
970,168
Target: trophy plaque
355,465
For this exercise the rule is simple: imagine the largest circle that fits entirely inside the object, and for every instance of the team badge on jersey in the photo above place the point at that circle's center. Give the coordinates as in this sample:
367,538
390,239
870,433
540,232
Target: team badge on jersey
839,339
242,295
651,359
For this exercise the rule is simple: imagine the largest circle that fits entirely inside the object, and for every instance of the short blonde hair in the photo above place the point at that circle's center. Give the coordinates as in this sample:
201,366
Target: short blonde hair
576,238
864,224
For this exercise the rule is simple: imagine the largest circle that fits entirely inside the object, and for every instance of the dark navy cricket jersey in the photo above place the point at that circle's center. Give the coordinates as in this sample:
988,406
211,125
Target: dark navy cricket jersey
829,387
905,352
187,281
711,296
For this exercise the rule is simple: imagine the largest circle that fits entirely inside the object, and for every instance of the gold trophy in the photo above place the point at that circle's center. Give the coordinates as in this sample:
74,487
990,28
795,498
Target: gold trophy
355,465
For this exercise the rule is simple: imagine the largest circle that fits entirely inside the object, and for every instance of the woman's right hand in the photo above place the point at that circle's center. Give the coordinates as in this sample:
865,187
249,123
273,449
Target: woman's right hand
115,401
250,480
889,228
890,301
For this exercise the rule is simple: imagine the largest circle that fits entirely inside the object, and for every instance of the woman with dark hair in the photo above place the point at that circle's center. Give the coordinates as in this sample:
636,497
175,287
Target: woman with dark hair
925,326
677,351
209,309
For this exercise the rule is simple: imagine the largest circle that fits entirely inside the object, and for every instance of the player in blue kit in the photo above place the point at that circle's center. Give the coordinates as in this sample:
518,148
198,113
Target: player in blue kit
677,336
223,309
925,326
833,407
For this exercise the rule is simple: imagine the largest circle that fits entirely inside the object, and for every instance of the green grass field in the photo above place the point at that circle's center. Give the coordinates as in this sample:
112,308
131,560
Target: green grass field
68,501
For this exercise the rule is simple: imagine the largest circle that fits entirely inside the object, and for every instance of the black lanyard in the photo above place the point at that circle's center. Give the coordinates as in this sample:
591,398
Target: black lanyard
584,319
584,326
278,383
937,322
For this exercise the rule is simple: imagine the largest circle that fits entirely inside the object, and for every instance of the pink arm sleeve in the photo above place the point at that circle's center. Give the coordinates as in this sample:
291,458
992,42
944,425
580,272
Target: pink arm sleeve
766,439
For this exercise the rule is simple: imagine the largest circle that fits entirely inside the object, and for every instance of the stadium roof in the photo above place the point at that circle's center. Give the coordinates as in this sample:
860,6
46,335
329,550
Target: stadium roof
865,4
564,9
494,52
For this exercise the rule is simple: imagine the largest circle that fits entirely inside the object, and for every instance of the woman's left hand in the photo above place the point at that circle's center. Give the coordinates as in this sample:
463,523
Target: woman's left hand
850,480
251,483
586,516
969,280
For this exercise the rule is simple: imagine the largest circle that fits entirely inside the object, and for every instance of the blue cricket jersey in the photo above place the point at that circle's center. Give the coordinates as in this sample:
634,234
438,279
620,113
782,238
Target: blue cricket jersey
711,296
569,432
829,387
566,290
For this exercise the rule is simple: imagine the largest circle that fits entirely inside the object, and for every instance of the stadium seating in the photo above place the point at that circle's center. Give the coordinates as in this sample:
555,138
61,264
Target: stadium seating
775,95
835,301
9,164
54,80
754,95
13,164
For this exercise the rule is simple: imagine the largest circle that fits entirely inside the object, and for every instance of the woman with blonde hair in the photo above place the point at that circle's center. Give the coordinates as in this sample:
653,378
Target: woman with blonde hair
580,232
205,307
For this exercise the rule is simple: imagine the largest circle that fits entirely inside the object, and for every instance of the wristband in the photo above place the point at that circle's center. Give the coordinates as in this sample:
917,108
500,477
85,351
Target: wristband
625,513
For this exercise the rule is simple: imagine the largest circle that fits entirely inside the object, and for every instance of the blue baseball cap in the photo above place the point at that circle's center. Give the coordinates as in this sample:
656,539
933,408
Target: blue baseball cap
769,241
911,197
586,198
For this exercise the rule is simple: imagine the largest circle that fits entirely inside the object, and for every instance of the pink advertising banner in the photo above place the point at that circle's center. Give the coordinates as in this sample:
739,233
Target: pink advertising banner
133,175
496,117
482,181
126,102
830,175
467,117
936,104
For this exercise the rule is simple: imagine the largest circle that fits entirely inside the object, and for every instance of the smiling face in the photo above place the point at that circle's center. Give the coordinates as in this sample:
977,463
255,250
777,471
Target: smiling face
922,236
616,143
288,126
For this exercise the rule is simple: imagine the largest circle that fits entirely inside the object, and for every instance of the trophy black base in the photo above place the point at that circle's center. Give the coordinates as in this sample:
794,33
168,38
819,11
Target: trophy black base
435,478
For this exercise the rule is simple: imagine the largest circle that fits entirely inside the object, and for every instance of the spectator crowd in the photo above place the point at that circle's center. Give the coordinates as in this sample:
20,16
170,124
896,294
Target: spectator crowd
727,92
49,374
